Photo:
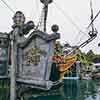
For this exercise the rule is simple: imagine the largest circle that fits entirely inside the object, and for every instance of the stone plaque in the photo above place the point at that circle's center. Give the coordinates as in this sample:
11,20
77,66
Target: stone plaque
32,56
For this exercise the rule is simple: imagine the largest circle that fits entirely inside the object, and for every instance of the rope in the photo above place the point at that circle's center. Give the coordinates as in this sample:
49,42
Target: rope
76,38
34,8
8,7
72,22
79,39
37,5
68,17
39,24
94,19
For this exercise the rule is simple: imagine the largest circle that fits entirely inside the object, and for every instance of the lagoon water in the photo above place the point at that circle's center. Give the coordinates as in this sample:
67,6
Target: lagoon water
71,90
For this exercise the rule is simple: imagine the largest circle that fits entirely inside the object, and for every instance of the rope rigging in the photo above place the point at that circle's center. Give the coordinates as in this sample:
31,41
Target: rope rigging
94,19
8,6
39,25
81,38
72,22
68,17
92,33
41,22
34,8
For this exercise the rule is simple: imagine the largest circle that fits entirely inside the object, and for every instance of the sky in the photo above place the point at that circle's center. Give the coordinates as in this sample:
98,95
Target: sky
72,16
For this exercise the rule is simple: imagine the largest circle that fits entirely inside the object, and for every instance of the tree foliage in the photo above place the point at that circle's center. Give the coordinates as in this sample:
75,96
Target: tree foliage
88,58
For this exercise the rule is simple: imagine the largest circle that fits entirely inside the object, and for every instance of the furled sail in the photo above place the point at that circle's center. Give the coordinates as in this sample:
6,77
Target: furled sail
63,61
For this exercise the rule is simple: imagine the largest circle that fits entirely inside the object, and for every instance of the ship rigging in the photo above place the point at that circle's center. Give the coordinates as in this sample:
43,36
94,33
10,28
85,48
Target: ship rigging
42,22
34,57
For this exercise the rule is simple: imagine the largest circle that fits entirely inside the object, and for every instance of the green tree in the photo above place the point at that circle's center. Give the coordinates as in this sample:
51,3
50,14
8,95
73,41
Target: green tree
90,56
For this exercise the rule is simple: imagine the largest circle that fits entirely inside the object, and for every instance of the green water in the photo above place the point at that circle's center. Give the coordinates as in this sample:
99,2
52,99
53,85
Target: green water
4,90
72,90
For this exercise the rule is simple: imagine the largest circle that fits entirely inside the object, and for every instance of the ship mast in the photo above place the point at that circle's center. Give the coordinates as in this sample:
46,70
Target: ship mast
93,32
45,11
92,25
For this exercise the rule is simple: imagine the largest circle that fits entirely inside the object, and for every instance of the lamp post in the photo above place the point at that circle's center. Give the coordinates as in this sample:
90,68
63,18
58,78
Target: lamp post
18,20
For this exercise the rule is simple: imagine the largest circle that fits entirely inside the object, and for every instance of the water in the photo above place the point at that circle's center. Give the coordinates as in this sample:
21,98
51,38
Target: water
72,90
4,90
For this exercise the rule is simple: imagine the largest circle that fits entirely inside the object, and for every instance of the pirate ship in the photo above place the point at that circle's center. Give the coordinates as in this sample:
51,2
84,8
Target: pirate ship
35,61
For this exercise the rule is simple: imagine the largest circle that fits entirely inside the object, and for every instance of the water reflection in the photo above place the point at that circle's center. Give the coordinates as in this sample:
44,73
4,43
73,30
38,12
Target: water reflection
4,90
72,90
82,90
